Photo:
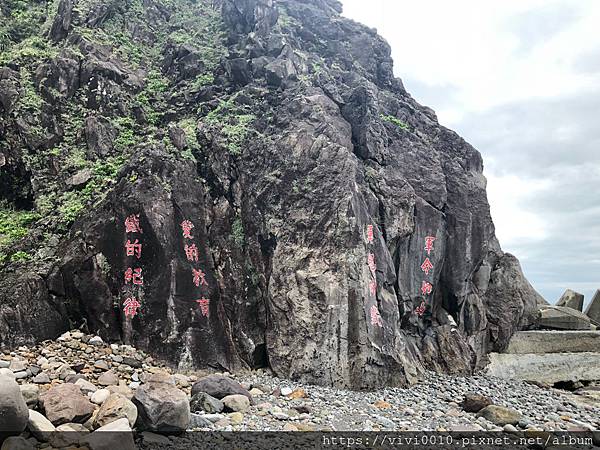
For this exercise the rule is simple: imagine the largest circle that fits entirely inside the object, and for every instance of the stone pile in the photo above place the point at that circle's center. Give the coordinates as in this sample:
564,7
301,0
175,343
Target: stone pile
84,386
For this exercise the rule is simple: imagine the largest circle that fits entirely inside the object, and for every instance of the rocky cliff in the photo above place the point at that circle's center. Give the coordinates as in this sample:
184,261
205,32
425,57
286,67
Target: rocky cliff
241,183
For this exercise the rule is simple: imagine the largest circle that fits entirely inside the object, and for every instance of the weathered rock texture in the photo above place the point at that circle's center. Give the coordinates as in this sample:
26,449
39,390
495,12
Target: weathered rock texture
162,407
65,403
296,137
571,299
554,342
593,309
13,409
219,386
562,318
545,368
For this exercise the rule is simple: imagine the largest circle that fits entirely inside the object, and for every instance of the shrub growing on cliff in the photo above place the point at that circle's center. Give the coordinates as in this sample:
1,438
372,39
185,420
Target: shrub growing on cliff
237,232
394,120
127,136
232,123
14,225
5,41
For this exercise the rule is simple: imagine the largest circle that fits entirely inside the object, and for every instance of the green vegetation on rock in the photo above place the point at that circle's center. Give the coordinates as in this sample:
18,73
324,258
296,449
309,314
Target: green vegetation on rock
232,123
394,120
237,232
123,53
14,225
20,22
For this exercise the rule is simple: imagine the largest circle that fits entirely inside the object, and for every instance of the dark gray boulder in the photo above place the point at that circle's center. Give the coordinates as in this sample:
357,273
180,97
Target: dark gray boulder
178,137
218,386
9,88
201,401
239,71
280,71
473,402
100,136
62,21
59,78
183,61
17,443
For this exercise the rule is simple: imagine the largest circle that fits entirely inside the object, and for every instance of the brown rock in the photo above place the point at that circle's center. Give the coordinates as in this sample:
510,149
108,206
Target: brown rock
382,404
298,393
475,402
500,415
121,389
65,403
236,403
305,426
109,378
116,407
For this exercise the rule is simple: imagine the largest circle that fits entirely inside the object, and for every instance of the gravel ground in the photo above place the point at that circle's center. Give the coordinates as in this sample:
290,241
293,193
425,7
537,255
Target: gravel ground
432,405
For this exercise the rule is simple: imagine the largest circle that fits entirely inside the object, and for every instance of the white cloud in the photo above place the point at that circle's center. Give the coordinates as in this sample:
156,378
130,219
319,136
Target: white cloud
515,225
475,46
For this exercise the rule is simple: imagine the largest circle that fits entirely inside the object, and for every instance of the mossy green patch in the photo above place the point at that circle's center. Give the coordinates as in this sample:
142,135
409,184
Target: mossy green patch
233,123
237,232
14,225
394,120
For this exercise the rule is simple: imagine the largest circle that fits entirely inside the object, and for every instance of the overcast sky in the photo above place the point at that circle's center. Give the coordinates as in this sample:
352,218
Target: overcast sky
520,80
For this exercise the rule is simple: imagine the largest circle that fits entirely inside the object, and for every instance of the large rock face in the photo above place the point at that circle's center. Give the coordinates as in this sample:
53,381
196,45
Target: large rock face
340,234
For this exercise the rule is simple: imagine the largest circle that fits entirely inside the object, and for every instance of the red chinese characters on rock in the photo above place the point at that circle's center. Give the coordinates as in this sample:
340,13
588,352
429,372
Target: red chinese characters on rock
199,277
204,304
133,248
192,255
426,288
191,252
426,266
134,276
131,306
376,317
370,234
132,224
186,227
371,263
429,240
373,287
